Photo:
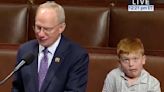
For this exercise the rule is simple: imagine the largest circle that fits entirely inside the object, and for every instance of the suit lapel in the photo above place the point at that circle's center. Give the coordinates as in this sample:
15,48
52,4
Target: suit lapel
32,70
57,60
34,76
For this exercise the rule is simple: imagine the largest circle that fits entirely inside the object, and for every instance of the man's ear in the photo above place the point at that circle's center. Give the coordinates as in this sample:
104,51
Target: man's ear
62,27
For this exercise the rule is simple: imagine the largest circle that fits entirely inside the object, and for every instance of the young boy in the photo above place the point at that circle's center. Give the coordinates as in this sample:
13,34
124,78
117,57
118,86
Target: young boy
130,76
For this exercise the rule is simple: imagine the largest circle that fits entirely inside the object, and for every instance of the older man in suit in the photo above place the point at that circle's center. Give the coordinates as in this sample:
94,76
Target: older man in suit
59,64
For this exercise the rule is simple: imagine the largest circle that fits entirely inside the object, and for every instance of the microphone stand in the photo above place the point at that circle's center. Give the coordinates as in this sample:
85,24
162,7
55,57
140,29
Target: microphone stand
6,78
28,57
15,69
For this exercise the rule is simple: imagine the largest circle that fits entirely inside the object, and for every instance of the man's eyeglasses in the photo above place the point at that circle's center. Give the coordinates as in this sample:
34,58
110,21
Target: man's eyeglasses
46,30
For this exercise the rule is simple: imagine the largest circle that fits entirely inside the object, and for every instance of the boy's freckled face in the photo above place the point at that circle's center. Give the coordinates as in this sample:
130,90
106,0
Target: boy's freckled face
132,64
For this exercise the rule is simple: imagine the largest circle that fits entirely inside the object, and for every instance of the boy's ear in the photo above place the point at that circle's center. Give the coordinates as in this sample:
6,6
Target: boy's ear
143,59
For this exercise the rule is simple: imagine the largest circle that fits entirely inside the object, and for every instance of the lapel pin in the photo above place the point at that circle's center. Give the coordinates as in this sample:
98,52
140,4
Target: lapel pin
57,59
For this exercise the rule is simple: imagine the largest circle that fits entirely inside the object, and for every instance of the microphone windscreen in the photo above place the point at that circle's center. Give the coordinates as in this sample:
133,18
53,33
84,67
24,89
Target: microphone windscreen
28,58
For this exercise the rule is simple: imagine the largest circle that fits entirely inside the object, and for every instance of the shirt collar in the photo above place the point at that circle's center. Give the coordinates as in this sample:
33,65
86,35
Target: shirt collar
142,79
144,76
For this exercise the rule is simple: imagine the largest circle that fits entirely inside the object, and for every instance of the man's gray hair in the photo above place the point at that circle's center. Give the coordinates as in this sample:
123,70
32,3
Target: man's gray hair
57,8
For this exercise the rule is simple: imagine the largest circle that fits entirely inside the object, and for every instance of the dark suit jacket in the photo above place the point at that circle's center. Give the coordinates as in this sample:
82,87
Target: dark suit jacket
68,75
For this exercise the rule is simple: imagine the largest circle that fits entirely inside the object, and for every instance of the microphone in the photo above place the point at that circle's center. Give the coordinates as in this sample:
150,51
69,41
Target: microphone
27,59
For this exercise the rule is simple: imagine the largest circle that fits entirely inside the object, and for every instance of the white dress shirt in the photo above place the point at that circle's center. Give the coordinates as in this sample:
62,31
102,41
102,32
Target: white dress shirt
51,51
